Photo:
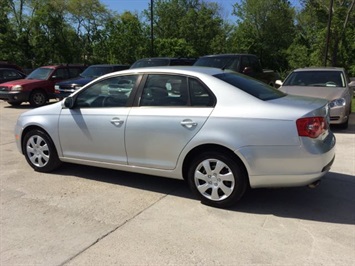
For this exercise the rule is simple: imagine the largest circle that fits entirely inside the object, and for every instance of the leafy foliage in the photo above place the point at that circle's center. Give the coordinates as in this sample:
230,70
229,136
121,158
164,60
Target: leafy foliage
38,32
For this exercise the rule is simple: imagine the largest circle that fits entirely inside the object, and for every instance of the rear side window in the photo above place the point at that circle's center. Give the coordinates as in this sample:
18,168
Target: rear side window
251,86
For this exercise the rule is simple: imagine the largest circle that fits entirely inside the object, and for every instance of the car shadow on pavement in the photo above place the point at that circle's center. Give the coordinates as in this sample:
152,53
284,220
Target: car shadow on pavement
332,201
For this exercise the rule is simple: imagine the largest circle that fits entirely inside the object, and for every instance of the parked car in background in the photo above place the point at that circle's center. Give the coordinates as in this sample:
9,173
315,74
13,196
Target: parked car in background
65,88
9,74
38,87
330,83
6,64
246,64
219,130
352,83
164,61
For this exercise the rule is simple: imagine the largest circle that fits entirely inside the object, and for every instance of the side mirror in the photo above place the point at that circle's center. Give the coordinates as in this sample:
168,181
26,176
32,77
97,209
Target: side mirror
278,83
68,102
247,70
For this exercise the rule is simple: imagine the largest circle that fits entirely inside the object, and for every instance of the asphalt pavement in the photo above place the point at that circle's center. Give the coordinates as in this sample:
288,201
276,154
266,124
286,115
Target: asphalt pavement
80,215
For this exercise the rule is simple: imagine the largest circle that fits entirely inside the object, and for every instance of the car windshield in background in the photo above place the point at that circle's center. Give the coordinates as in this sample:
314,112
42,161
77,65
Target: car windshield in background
94,72
258,89
217,62
315,78
40,73
151,63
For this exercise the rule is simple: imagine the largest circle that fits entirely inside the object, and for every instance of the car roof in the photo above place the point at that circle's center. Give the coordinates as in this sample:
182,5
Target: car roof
318,69
64,65
9,68
107,65
176,70
164,57
225,55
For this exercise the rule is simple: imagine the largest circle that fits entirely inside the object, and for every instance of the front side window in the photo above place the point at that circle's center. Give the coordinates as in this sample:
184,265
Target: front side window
110,92
61,73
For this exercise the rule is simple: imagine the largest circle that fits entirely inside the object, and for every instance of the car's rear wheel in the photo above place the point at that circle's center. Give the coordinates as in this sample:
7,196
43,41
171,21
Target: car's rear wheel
13,103
217,179
38,98
40,151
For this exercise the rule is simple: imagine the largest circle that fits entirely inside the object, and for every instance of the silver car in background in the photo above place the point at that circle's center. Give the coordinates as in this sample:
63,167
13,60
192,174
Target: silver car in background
328,83
220,131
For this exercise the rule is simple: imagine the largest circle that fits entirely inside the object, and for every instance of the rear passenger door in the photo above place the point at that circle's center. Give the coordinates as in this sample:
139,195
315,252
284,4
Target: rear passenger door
171,110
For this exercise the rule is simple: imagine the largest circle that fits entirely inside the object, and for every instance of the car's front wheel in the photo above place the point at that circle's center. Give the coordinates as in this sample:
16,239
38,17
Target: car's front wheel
38,98
40,151
217,179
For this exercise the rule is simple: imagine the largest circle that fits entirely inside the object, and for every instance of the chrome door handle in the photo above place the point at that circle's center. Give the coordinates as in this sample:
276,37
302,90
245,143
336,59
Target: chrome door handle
188,123
116,121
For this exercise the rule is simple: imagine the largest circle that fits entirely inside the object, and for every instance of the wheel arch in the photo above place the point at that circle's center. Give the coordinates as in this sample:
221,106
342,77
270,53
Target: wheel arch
28,129
213,148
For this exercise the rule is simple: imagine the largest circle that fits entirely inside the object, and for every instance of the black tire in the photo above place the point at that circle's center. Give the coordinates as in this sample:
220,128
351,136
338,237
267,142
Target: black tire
40,151
38,98
219,186
14,103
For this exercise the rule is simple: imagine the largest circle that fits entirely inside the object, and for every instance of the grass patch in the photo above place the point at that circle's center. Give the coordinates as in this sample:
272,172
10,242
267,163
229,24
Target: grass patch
353,105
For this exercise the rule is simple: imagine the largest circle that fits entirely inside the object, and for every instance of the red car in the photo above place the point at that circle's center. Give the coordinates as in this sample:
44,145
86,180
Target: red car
38,87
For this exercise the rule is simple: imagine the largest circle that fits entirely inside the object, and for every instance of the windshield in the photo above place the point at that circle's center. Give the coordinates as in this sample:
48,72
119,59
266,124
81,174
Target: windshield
315,78
217,62
41,73
151,63
256,88
96,71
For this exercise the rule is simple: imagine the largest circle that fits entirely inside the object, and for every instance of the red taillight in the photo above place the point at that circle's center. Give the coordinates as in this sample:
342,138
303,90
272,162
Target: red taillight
311,126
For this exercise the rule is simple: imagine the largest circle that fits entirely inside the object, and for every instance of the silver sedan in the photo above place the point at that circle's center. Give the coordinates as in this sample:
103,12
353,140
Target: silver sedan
220,131
330,83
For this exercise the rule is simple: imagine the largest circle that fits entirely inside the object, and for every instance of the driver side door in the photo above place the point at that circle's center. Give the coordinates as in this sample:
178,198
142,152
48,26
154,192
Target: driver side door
94,129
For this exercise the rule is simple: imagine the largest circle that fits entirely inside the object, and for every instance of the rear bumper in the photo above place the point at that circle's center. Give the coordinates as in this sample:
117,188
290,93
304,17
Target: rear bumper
288,166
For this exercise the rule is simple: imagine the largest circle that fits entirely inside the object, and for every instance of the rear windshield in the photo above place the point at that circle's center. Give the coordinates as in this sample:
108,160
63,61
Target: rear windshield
316,78
256,88
151,63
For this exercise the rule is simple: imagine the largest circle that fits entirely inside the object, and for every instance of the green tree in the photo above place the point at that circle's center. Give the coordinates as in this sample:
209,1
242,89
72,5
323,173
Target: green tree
308,47
265,28
123,39
190,27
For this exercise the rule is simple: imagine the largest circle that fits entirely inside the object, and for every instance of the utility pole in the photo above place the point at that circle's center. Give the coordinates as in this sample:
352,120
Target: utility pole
328,32
151,29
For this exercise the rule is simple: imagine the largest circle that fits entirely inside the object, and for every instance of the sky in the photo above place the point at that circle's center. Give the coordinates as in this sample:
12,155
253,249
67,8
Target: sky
139,5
